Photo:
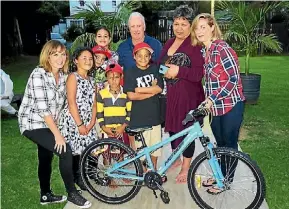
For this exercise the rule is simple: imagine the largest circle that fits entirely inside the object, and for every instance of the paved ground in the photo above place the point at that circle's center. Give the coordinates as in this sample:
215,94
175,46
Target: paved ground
179,193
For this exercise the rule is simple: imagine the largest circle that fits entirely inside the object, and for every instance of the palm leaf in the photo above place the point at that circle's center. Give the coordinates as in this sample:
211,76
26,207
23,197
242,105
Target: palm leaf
232,35
270,42
86,40
244,26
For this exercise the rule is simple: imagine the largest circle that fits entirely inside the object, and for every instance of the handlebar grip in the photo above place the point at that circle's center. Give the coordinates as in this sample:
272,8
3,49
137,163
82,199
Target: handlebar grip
188,118
184,122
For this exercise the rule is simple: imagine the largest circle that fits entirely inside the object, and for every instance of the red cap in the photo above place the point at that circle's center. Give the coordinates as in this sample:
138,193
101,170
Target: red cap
115,68
142,45
101,50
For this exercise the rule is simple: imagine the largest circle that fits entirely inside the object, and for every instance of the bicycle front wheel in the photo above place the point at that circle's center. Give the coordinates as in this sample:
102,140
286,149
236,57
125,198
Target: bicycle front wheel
244,182
97,158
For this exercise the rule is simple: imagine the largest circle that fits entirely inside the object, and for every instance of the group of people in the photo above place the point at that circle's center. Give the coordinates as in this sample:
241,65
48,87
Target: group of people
112,90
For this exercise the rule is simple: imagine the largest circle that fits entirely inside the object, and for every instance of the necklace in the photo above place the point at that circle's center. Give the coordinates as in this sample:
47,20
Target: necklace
114,91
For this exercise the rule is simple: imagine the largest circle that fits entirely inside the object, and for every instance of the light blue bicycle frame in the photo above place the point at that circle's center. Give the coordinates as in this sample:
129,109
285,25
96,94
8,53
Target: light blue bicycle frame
192,132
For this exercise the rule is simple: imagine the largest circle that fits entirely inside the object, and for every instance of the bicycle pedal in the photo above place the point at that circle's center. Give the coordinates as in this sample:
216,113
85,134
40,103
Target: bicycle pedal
165,197
154,192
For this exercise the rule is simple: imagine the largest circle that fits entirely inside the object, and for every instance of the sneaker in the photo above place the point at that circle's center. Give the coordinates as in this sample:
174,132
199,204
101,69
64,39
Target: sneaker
76,199
51,198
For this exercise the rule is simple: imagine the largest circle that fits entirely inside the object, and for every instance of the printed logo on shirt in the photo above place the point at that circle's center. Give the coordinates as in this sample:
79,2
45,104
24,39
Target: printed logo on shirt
145,81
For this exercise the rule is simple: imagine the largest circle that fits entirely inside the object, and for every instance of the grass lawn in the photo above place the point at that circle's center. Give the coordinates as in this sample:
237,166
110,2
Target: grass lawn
266,126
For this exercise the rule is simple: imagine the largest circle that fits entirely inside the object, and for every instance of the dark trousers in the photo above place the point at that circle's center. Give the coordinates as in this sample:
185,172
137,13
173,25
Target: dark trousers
76,167
189,152
45,141
226,131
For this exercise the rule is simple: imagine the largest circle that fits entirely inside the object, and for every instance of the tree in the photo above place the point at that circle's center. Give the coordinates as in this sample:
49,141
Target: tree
244,27
98,18
54,11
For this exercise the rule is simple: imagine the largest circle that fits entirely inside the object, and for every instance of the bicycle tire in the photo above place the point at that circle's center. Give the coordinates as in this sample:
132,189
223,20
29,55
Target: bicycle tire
261,189
137,163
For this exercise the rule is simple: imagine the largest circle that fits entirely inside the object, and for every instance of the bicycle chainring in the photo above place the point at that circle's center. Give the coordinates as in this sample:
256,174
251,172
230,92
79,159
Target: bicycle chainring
151,178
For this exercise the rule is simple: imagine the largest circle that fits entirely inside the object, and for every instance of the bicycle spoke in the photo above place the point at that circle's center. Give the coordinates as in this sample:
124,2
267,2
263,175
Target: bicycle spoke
241,188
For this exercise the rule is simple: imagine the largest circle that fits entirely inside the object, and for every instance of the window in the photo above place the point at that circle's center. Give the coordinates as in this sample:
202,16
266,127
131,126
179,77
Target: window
55,36
97,3
113,3
78,23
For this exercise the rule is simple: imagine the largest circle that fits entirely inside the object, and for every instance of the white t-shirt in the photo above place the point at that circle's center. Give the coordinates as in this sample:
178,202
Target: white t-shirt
6,85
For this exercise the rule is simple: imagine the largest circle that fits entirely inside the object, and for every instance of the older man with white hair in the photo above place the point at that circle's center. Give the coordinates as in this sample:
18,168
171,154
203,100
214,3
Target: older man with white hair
137,27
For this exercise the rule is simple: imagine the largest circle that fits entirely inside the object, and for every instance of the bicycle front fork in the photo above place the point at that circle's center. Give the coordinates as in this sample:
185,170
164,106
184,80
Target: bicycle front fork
213,161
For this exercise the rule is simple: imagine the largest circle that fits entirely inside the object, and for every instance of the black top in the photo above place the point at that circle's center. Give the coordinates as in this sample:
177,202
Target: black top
144,112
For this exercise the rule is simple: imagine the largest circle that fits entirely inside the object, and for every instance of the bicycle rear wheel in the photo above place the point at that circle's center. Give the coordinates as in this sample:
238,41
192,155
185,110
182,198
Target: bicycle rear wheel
102,155
244,181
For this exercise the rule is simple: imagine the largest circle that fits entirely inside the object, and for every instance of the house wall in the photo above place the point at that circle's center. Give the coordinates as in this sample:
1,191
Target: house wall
60,28
105,5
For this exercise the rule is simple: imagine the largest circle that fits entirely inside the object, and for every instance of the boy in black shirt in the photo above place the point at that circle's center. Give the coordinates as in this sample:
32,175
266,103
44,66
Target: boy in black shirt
142,84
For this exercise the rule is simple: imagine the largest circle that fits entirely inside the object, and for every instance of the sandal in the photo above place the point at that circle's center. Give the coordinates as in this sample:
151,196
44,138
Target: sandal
209,182
216,191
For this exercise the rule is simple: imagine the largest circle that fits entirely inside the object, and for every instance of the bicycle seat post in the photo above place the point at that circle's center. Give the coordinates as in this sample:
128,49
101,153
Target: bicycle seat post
139,137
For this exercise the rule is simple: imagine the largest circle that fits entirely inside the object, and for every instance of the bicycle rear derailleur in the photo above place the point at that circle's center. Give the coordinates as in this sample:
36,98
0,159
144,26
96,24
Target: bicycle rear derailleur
153,181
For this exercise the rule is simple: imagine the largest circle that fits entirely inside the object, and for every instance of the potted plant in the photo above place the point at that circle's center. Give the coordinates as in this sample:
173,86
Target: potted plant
246,18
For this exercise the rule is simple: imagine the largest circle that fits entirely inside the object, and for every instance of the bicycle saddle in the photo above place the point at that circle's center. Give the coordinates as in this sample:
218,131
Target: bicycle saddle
134,131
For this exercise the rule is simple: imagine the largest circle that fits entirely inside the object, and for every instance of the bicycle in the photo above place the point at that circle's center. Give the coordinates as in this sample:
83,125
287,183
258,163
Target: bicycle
220,165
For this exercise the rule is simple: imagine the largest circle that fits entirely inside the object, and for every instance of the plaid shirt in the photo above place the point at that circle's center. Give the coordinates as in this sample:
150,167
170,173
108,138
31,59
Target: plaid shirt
42,97
222,77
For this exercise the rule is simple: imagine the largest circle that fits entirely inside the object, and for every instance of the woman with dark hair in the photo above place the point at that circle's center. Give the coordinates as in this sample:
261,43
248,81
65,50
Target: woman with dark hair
103,38
183,81
78,117
44,96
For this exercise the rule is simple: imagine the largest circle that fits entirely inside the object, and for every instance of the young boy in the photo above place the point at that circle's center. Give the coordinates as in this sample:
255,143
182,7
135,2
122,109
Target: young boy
113,106
142,84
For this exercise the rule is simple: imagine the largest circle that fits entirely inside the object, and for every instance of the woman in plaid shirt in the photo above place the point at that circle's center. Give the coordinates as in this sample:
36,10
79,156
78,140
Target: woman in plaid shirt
43,99
224,89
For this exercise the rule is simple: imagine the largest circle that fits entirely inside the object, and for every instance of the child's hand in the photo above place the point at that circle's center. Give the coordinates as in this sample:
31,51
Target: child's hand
82,130
155,82
108,131
119,131
89,126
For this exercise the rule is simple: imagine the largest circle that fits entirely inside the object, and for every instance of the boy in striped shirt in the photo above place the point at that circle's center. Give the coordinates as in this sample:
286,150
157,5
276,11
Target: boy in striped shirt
113,106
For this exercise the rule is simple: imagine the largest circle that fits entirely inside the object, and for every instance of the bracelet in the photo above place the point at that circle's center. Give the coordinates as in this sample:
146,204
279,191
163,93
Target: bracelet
80,124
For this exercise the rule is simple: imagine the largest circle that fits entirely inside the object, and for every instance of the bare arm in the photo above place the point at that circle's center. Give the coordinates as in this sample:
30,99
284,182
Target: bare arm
138,96
71,88
94,110
148,90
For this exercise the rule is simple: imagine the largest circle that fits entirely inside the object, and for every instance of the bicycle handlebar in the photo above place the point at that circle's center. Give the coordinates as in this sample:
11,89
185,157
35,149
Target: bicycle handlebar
201,111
